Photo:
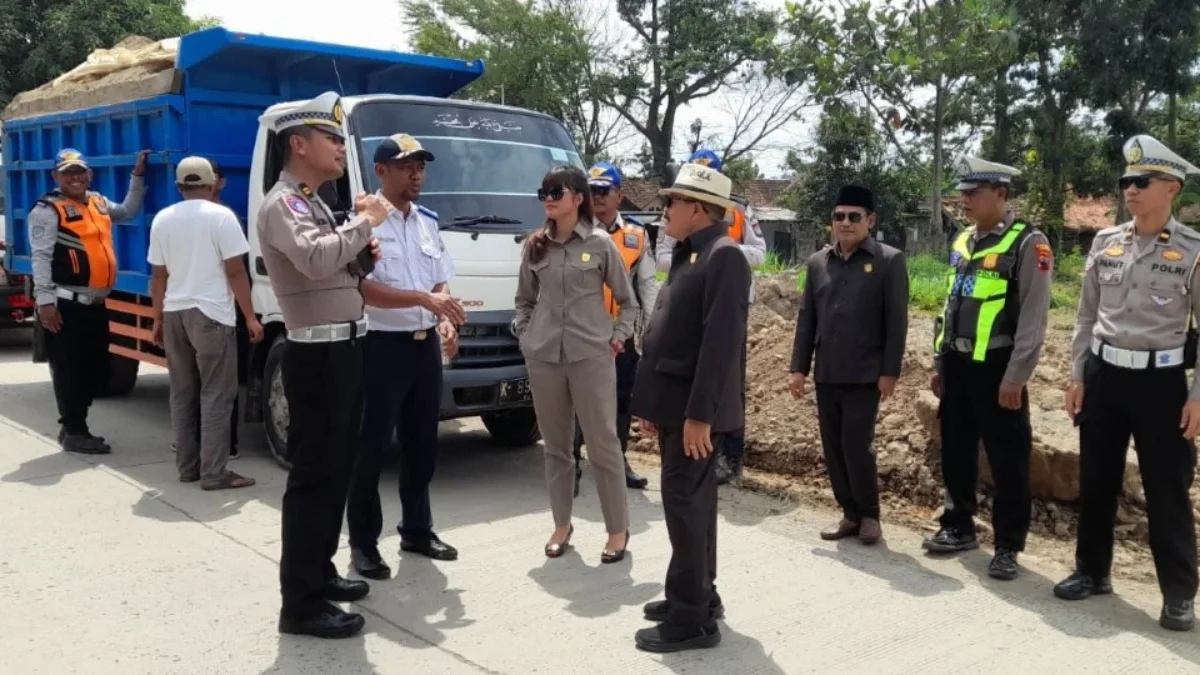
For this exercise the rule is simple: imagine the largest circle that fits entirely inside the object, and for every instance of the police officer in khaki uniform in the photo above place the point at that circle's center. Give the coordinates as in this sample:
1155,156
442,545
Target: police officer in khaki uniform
988,342
1128,377
744,229
315,276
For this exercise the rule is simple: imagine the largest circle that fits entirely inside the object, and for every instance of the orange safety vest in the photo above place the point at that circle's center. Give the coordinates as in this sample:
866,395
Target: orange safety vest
631,242
738,226
83,251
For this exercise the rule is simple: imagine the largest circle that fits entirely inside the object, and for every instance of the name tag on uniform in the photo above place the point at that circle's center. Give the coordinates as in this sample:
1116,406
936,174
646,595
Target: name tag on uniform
585,257
693,258
868,268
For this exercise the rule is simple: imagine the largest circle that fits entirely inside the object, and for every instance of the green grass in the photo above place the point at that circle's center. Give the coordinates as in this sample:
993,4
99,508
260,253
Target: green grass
927,279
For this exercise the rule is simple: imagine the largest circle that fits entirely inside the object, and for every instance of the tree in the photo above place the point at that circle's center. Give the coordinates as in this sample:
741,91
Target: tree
41,39
741,169
683,51
915,65
541,56
850,149
1048,31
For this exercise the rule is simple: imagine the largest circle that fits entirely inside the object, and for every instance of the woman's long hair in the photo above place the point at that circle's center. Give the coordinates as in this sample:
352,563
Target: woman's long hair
566,177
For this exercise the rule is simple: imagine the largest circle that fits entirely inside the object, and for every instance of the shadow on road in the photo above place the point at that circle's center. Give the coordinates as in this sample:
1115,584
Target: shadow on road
737,653
593,591
1093,619
900,570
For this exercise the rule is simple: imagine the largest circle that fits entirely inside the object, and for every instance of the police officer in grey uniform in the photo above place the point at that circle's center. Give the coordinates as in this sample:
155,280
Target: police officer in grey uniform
315,275
988,342
1128,377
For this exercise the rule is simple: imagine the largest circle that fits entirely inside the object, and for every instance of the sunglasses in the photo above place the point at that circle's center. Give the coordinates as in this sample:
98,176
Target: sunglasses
601,191
550,195
855,217
682,200
1139,182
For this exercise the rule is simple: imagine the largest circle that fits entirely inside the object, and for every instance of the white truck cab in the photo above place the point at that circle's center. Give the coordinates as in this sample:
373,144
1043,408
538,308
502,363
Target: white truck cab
489,164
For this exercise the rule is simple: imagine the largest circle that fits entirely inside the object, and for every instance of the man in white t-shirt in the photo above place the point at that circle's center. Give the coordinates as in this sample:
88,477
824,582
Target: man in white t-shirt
196,249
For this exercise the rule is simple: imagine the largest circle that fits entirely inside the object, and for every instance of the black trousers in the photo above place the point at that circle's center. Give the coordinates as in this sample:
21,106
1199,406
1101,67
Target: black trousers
846,414
78,355
970,410
626,363
1145,404
689,493
323,385
403,385
735,441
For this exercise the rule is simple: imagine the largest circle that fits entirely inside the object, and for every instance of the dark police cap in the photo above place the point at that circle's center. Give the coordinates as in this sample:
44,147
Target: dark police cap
856,195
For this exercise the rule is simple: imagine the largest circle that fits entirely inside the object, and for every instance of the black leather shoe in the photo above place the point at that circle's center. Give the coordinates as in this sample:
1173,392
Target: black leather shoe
660,610
633,480
330,623
339,589
85,444
1178,615
728,470
1003,565
950,540
433,548
368,563
1080,586
665,638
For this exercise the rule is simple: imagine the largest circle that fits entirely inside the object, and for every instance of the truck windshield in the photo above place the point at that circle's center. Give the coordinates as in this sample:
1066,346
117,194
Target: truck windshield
489,162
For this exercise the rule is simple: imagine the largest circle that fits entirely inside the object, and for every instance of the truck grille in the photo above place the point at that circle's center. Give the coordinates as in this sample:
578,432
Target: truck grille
488,345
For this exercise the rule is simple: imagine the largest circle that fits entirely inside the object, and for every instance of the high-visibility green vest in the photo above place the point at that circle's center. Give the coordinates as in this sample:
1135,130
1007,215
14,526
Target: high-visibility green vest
980,297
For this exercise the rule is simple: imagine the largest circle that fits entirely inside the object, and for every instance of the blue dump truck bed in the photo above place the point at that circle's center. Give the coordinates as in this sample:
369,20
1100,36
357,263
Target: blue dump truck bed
224,81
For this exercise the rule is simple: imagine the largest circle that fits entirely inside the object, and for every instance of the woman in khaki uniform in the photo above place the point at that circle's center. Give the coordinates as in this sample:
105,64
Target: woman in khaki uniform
569,341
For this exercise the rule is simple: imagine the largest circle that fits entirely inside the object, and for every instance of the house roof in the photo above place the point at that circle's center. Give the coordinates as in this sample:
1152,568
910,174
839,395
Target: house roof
1090,213
761,193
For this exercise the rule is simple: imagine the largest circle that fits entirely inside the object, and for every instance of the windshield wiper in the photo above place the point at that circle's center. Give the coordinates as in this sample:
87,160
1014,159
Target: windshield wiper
464,221
469,225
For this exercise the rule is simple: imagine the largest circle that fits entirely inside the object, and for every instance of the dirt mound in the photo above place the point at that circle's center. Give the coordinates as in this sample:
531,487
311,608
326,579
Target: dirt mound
782,436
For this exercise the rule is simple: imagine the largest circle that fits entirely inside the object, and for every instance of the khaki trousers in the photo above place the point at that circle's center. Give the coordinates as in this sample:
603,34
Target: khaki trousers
586,390
202,363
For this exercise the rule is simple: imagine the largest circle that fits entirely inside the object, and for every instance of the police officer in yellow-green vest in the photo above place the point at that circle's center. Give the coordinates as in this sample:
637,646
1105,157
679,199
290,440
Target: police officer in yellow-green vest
987,344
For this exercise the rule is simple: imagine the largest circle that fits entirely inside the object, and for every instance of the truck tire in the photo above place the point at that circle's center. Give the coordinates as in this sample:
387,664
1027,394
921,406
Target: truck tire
274,403
512,428
122,376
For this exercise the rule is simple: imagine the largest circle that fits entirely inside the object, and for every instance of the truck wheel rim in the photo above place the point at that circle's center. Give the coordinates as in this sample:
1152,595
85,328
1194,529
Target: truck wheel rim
279,407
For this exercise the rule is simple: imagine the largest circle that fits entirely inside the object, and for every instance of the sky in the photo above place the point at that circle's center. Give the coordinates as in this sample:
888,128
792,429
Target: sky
379,24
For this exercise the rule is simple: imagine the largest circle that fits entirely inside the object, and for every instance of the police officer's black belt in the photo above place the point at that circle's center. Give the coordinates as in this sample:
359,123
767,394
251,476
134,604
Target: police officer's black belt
334,332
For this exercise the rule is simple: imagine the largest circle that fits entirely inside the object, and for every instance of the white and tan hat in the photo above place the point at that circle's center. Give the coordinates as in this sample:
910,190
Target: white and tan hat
1146,154
702,184
195,172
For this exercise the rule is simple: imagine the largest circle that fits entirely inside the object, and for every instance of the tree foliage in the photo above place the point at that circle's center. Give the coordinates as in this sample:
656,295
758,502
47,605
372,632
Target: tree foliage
849,148
682,52
41,39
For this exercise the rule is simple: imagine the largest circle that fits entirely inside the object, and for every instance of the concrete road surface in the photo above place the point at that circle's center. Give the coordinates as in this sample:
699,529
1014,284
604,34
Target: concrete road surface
110,565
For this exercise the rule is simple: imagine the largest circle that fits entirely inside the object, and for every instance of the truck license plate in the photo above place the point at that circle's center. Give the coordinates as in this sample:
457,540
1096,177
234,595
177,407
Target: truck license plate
515,391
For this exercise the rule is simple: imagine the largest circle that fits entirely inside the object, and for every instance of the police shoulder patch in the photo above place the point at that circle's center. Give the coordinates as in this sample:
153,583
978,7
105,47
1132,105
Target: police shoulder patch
298,205
428,212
